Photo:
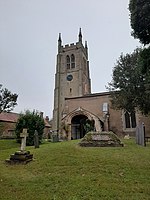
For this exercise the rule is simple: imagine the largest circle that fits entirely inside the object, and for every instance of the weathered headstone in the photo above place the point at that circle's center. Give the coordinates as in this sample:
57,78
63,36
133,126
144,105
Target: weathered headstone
23,136
140,134
55,136
36,139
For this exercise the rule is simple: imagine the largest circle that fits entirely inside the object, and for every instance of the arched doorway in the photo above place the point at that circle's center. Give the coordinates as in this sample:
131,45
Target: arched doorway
77,129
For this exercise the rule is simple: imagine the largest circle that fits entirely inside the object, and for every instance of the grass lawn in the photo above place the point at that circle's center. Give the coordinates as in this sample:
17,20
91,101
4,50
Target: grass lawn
65,171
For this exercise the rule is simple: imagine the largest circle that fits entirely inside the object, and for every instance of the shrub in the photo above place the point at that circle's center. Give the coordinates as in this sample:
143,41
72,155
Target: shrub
31,121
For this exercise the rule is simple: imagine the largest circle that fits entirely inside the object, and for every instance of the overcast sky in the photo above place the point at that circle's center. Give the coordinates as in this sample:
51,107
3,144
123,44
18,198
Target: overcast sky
28,44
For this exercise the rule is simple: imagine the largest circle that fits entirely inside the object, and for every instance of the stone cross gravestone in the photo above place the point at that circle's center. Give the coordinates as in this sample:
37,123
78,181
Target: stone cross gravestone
22,156
36,139
23,136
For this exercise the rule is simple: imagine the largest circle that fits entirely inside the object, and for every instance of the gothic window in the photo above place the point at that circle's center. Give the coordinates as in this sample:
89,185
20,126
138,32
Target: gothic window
133,120
68,62
72,61
130,120
127,120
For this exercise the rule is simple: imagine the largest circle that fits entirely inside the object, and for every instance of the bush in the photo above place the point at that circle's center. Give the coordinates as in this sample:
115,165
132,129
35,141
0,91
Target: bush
31,121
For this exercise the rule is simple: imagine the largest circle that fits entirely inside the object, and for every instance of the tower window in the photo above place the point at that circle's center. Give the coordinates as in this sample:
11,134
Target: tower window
68,62
130,120
72,61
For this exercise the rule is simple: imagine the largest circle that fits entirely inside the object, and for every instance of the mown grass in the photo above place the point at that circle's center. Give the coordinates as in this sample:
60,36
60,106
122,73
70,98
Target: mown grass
65,171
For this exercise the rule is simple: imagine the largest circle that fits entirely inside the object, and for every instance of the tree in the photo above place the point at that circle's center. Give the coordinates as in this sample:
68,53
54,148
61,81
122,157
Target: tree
140,23
31,121
127,82
140,19
144,68
8,100
144,63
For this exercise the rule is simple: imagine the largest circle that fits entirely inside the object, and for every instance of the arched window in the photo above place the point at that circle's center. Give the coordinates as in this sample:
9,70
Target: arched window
127,120
130,120
68,62
72,61
133,120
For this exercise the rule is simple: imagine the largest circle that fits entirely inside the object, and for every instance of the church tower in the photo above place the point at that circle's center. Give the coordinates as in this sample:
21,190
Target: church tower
72,77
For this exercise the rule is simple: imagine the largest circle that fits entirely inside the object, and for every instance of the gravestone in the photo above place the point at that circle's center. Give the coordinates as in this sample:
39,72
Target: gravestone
100,139
22,156
55,137
140,134
36,139
23,136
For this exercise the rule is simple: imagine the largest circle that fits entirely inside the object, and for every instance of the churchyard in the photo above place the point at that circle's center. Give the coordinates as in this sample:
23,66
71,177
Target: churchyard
65,171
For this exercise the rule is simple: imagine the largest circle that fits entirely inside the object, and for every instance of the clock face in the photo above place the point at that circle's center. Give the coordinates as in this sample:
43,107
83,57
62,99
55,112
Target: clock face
69,77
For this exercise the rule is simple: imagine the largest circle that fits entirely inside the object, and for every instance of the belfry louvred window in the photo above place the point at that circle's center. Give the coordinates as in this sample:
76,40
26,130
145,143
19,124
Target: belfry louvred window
68,62
72,61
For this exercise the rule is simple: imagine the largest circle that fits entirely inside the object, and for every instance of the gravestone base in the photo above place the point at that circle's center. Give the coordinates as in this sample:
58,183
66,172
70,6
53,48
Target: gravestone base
20,157
100,139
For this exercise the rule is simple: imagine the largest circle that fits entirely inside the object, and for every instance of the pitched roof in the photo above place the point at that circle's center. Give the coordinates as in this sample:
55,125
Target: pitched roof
13,117
9,117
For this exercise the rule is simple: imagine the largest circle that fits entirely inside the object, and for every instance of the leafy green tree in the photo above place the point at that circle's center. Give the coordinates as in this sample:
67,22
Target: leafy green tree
127,83
140,23
8,100
144,68
140,19
31,121
144,63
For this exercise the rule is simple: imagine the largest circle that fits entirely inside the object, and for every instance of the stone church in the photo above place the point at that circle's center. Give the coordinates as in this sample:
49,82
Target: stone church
74,102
